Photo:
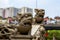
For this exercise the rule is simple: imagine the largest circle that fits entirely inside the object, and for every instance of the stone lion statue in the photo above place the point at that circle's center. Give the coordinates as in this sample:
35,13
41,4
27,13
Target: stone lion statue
25,23
39,15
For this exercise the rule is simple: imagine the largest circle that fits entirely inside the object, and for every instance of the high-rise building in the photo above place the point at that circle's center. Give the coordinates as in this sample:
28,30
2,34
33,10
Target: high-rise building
25,10
1,12
10,12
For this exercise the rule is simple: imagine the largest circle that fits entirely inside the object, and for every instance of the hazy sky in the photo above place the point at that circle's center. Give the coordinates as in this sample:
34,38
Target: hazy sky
52,7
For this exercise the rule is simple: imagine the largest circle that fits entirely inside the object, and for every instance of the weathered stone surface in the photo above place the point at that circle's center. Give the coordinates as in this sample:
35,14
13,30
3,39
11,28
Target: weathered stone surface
6,31
25,24
22,37
39,16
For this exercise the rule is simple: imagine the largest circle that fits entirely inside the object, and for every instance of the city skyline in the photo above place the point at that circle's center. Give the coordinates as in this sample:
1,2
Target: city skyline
12,11
52,7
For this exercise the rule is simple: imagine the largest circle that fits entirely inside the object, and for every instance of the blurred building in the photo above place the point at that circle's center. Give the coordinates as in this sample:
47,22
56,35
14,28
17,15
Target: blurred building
10,12
45,20
25,10
48,20
1,12
57,18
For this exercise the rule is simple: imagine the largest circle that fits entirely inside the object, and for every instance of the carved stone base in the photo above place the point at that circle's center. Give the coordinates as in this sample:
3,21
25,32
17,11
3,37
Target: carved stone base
22,37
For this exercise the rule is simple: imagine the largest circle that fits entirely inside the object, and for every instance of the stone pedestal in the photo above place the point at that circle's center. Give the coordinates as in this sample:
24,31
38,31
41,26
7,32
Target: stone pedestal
22,37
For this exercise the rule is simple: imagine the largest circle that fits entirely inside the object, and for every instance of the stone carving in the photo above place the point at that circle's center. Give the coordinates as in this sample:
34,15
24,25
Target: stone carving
40,33
39,15
6,31
25,23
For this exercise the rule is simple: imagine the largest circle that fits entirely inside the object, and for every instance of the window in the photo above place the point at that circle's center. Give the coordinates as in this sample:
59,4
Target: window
19,10
29,10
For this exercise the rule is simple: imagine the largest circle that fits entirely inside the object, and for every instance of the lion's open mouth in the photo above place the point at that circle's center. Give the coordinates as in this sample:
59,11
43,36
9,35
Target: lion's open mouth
27,23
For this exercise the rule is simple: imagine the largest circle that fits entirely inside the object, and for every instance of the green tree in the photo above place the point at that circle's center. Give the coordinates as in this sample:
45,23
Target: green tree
53,32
